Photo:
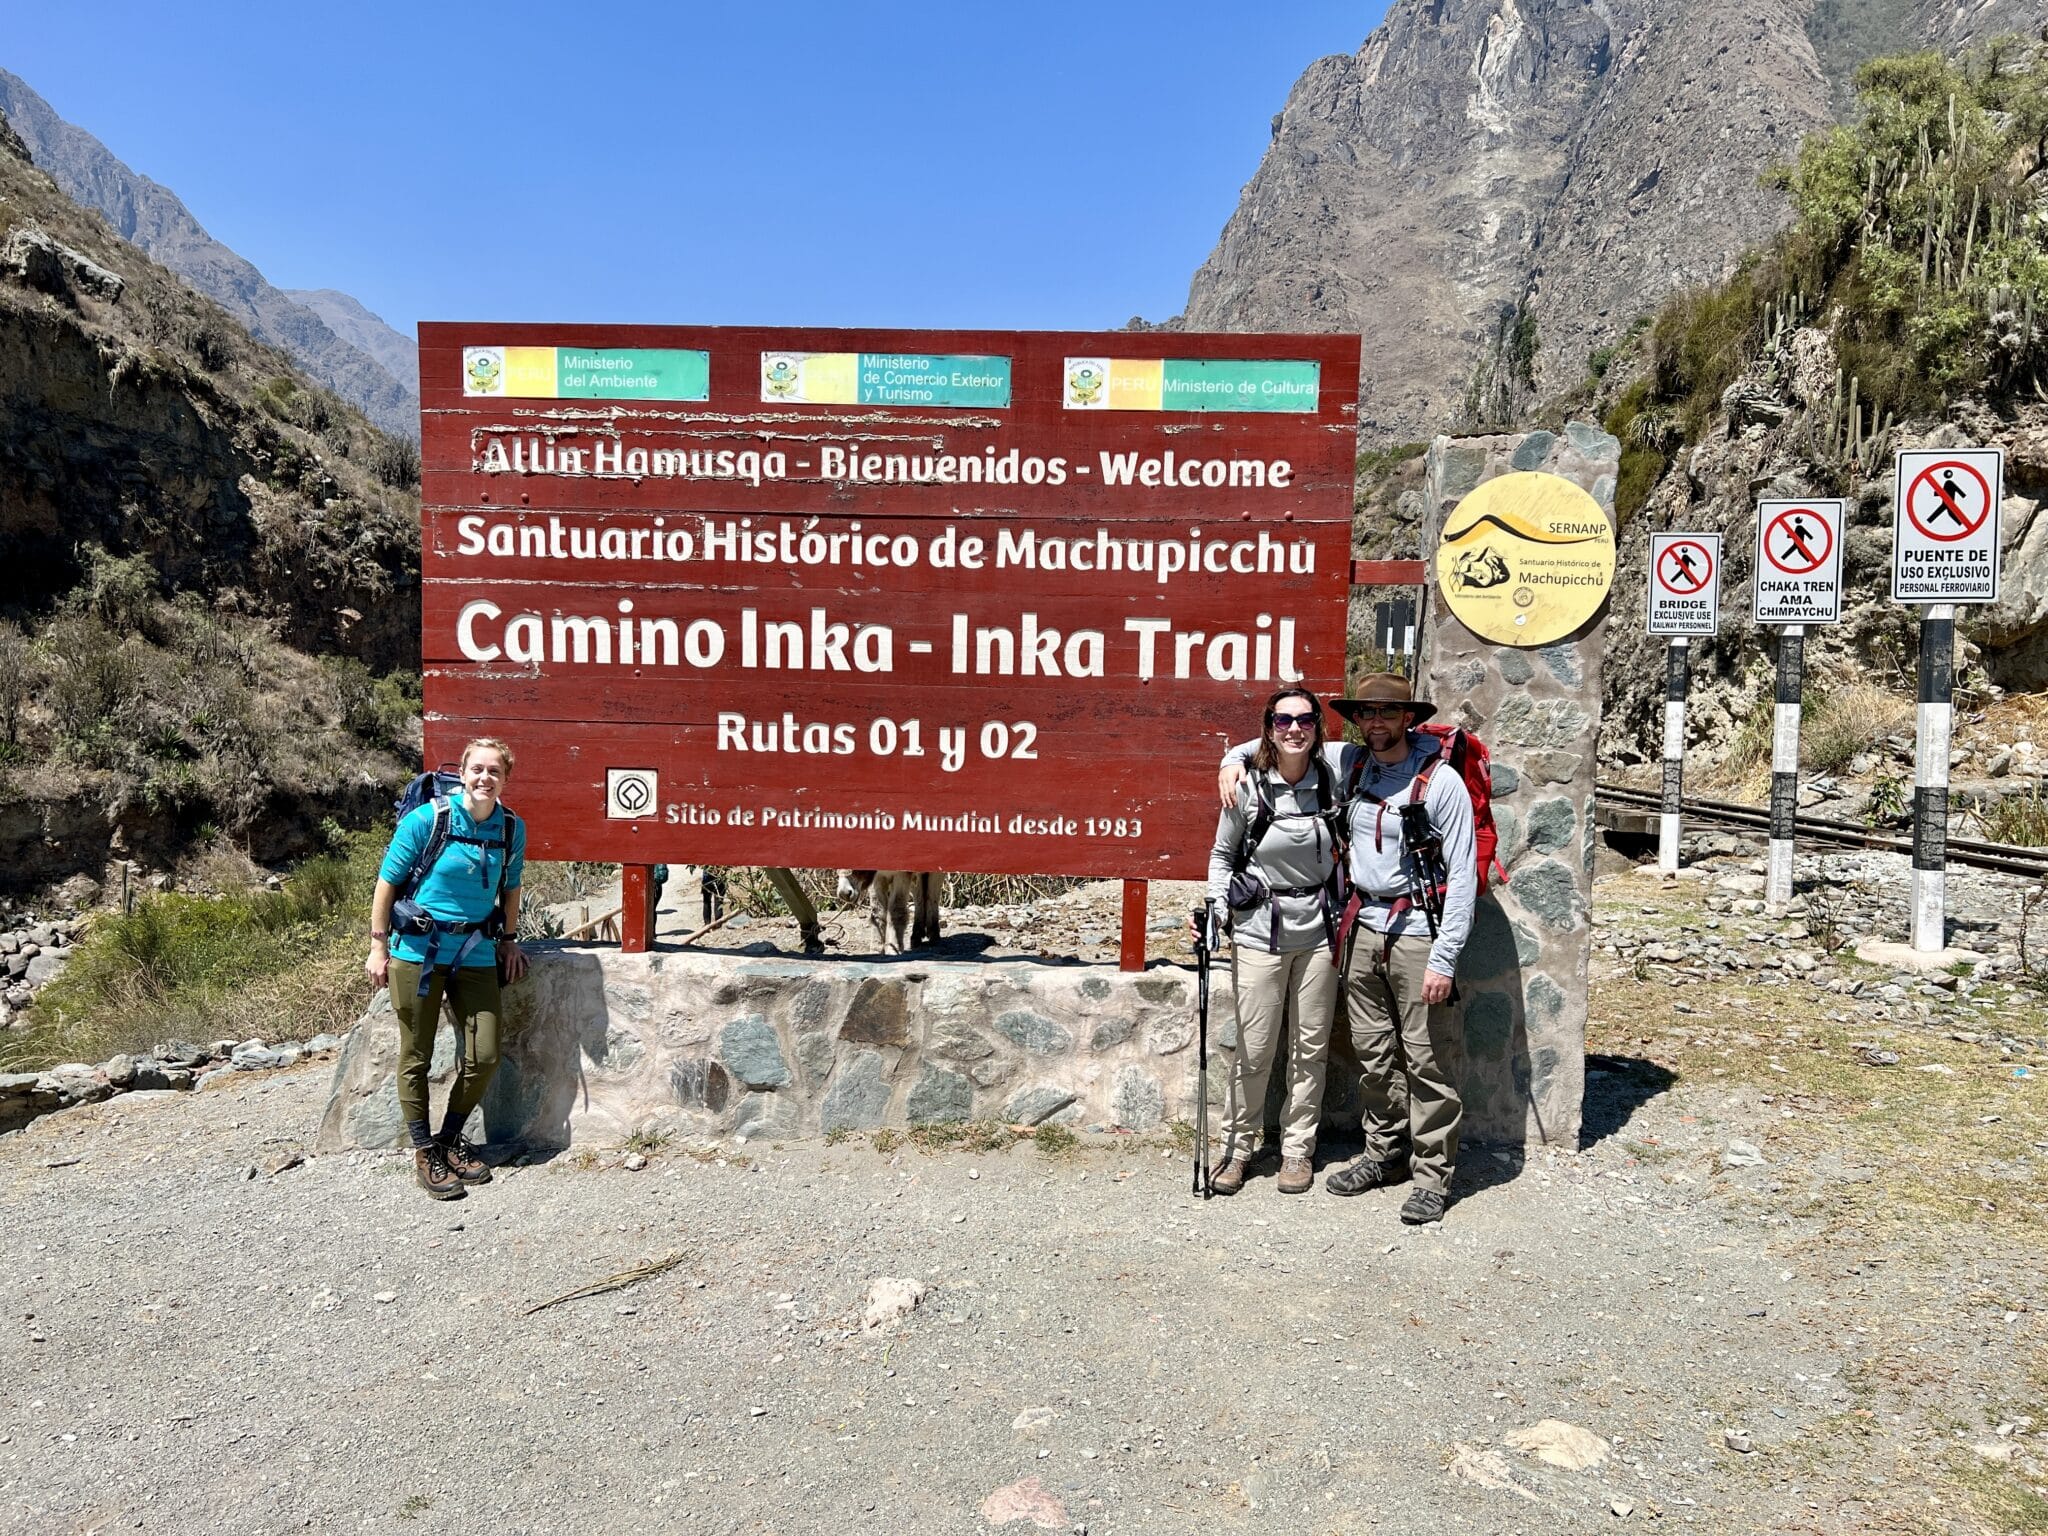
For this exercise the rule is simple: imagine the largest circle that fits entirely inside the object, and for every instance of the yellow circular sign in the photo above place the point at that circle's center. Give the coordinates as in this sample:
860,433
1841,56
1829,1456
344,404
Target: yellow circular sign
1525,559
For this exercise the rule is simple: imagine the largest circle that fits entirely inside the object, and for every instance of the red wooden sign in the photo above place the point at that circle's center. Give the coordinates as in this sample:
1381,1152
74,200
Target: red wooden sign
977,601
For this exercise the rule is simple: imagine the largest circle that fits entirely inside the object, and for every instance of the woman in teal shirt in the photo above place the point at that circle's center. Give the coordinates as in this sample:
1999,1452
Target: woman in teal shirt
464,915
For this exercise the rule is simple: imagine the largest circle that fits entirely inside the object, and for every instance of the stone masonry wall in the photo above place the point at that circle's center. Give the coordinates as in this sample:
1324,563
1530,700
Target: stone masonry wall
1524,971
599,1044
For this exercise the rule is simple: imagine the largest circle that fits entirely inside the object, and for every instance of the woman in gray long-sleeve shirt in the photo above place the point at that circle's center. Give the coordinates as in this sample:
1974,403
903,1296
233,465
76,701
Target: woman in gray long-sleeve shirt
1280,965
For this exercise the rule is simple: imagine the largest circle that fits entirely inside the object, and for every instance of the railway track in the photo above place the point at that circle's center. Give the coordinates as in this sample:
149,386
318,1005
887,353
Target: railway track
2006,858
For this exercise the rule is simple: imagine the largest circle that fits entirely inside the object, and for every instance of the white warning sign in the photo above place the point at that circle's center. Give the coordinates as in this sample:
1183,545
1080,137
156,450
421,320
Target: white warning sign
1685,583
1945,525
1798,562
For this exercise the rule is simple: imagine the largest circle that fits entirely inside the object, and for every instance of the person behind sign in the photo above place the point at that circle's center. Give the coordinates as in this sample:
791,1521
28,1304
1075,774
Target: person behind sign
468,896
1396,977
1269,882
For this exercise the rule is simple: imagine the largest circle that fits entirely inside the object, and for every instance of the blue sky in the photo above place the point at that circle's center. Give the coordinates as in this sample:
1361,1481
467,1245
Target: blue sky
1020,166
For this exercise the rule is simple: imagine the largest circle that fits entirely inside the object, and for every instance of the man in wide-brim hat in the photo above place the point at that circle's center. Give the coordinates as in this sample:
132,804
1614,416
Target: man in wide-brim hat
1408,1034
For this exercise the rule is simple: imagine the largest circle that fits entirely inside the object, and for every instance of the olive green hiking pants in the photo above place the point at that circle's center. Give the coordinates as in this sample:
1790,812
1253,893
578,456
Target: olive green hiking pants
476,1004
1410,1057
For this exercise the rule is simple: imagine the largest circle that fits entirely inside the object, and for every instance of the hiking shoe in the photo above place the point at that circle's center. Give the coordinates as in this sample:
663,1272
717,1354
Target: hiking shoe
430,1167
1422,1206
1297,1175
1364,1173
464,1161
1228,1179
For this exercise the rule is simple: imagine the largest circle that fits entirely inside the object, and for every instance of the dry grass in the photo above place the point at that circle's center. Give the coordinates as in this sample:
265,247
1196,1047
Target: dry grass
1847,720
1930,1135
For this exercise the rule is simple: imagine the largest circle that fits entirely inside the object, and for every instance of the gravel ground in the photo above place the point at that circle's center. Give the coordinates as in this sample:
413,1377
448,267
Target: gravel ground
191,1342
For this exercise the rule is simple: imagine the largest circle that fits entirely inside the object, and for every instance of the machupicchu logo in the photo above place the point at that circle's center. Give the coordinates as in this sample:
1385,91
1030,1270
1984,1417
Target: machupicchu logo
1526,559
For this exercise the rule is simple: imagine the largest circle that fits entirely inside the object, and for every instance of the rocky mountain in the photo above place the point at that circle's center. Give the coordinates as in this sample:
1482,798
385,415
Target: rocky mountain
209,562
1488,190
394,351
332,337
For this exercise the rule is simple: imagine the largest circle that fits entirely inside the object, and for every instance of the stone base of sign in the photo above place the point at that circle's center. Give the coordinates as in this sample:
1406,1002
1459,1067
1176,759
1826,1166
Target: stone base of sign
598,1044
1904,957
1524,972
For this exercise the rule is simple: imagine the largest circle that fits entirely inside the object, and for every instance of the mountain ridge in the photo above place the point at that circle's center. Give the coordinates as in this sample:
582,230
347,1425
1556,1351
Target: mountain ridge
156,221
1490,190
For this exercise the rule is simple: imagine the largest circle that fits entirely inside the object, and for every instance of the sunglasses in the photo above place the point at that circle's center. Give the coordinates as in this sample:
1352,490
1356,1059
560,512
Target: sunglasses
1293,722
1383,711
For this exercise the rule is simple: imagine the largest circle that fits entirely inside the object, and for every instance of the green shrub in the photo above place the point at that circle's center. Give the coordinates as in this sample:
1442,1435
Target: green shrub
281,964
396,461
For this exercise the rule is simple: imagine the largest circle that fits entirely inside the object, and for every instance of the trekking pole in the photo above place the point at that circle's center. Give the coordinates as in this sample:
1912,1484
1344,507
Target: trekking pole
1202,1185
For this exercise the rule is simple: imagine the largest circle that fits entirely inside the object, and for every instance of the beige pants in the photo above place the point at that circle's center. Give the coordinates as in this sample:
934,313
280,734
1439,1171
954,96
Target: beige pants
1297,993
1410,1056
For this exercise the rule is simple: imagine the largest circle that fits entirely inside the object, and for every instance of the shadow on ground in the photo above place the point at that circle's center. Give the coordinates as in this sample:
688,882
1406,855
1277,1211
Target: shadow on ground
1616,1087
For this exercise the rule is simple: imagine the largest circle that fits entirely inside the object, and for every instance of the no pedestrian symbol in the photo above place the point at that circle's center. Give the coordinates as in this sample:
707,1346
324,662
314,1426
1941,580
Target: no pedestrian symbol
1685,588
1798,562
1945,531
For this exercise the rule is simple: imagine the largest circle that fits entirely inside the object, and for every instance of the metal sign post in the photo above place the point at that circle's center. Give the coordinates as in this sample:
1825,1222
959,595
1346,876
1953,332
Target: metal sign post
1933,729
1785,767
1676,675
1798,581
1684,601
1945,512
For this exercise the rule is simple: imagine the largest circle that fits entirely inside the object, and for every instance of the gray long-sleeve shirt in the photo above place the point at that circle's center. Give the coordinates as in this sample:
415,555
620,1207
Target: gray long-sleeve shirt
1296,852
1377,869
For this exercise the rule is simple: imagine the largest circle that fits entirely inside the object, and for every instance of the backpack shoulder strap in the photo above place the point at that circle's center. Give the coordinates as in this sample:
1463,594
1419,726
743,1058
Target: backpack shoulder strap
505,864
437,844
1261,822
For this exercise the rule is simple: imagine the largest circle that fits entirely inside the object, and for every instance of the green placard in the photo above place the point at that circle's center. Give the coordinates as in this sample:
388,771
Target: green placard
635,373
1190,384
899,378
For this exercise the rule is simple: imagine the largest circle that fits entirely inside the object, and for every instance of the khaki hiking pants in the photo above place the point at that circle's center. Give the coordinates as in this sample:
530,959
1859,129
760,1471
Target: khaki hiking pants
1295,994
476,1002
1410,1057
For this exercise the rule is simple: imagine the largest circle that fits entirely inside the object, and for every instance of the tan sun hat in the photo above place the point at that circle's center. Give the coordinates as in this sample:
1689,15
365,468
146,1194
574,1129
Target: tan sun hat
1383,688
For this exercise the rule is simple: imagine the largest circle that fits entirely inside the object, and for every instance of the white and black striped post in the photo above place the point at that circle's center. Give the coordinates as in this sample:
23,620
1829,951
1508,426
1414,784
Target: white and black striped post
1930,776
1785,766
1677,674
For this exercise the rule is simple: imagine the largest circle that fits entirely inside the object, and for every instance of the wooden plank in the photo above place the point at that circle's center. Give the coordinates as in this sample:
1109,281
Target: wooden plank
1131,952
1390,573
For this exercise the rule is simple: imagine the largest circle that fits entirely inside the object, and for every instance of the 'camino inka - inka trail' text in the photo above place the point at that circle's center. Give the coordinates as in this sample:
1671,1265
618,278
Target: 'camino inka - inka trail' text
816,642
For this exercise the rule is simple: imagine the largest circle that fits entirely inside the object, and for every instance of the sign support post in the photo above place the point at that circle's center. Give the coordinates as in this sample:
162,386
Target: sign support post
1931,735
1684,604
1945,549
1677,676
636,908
1797,582
1785,767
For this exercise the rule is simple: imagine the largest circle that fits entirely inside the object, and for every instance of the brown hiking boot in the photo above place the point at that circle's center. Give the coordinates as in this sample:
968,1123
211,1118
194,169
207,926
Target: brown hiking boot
430,1167
1297,1176
463,1161
1229,1179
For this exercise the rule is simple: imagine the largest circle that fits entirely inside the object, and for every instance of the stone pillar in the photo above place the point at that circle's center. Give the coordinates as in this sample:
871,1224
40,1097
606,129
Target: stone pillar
1525,969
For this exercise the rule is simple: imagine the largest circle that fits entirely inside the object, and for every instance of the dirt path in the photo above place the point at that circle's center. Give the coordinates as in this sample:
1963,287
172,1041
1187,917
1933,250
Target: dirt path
191,1343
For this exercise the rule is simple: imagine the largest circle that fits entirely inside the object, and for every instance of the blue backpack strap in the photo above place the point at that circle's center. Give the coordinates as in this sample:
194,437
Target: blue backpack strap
437,844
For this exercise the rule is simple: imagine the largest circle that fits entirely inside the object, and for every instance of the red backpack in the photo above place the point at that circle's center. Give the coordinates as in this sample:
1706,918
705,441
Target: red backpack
1469,759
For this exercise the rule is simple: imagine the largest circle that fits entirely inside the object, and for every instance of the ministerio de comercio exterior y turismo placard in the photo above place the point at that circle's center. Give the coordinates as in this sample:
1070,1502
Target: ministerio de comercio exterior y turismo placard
973,601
